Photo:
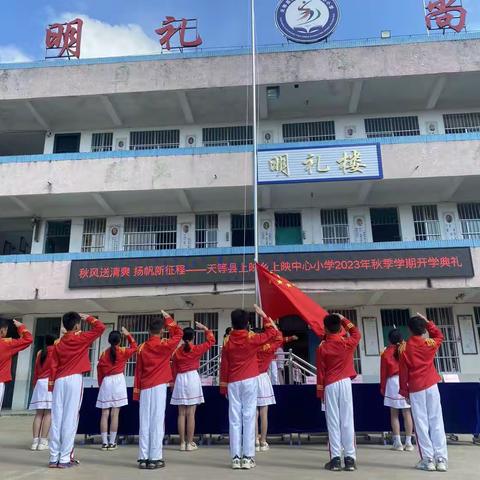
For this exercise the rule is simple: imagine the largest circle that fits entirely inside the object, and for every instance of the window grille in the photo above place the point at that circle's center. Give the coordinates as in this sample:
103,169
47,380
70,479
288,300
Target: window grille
425,220
461,122
227,136
93,239
476,311
335,225
206,231
288,220
152,139
469,214
243,234
102,142
308,131
392,127
150,233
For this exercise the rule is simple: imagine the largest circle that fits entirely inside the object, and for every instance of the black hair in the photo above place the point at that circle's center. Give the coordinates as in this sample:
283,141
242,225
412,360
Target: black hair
4,323
49,341
332,323
188,336
156,325
70,319
239,319
417,325
114,339
227,332
395,337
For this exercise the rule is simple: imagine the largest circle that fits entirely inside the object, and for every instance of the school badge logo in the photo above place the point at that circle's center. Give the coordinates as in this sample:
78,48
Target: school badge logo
307,21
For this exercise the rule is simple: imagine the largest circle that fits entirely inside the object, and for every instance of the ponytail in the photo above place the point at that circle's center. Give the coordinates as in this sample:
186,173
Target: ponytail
188,335
395,337
114,340
49,341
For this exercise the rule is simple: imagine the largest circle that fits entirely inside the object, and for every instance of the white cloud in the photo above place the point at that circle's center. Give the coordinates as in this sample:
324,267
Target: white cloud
12,54
101,39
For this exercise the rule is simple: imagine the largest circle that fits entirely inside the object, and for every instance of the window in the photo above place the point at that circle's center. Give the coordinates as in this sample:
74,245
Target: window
394,318
138,326
385,225
425,220
210,320
227,136
476,311
469,214
150,233
352,316
57,238
392,127
335,226
93,239
447,360
288,229
243,234
206,231
66,143
152,139
102,142
308,131
461,122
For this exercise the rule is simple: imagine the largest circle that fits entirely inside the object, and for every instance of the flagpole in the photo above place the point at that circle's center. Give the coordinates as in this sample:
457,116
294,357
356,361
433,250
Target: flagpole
255,145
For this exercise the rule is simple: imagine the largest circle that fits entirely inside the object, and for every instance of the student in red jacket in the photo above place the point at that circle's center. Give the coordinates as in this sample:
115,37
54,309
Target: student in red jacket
335,372
112,394
9,347
418,383
69,362
238,374
187,391
389,387
41,398
152,376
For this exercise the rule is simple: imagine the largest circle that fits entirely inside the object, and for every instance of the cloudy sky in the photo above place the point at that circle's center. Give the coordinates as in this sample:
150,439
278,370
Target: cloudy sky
118,27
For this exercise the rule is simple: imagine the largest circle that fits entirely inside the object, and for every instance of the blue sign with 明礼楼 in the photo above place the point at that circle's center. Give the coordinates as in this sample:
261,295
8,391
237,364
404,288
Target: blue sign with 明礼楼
307,21
320,164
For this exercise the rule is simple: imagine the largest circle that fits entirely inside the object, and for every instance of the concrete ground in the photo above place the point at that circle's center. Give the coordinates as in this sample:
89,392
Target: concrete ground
281,463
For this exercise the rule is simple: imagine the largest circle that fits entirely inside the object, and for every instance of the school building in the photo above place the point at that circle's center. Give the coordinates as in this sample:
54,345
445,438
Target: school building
126,188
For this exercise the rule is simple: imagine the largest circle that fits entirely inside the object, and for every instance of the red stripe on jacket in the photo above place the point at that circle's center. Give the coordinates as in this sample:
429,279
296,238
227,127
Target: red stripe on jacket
153,359
9,347
106,368
335,357
70,353
183,361
239,355
43,371
417,368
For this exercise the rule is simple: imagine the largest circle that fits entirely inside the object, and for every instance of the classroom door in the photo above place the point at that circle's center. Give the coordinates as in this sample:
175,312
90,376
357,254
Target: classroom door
288,229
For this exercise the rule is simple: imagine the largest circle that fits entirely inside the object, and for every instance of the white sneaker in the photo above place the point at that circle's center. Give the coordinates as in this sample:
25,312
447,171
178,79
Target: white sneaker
183,446
191,447
34,445
257,446
409,447
236,463
264,447
441,465
398,447
248,463
43,445
426,464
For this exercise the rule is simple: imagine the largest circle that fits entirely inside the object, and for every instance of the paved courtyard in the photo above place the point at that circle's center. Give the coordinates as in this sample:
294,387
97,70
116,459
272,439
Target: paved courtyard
282,462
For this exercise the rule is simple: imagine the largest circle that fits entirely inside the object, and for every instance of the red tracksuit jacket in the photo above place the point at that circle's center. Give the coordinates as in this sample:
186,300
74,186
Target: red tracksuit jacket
43,371
417,368
389,366
183,362
70,353
10,347
153,359
335,357
106,368
239,355
266,354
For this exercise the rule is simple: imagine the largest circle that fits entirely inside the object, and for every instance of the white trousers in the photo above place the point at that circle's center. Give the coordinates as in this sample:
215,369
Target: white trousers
242,412
66,402
152,422
428,419
339,415
2,392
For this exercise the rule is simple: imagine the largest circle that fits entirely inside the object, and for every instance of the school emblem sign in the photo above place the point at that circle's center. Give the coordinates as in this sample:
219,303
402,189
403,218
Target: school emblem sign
307,21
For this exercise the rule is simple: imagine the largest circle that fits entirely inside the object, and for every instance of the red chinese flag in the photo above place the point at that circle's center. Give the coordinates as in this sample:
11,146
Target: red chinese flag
280,298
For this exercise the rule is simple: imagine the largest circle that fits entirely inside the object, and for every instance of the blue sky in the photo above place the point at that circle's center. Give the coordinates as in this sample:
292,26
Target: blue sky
116,28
